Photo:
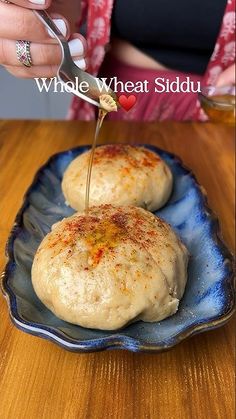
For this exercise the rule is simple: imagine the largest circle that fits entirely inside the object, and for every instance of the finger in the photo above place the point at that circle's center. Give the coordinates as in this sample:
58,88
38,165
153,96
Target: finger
78,36
227,77
20,23
31,72
41,54
40,71
33,4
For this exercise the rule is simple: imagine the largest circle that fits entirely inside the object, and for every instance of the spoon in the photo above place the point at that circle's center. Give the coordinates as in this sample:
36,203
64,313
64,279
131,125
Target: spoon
69,72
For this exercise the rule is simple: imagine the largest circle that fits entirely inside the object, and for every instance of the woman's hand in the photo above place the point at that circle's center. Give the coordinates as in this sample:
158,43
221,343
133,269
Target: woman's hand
227,77
19,23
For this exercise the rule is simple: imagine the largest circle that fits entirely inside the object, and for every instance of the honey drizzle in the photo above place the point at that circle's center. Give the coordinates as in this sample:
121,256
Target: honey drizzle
101,115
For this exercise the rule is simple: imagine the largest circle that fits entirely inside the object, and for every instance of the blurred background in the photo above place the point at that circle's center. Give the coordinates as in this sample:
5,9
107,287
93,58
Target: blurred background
22,99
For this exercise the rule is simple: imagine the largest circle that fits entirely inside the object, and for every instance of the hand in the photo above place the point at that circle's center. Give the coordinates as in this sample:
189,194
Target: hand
227,77
19,23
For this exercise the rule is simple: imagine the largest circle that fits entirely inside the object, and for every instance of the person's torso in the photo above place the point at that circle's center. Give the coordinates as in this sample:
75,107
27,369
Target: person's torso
179,34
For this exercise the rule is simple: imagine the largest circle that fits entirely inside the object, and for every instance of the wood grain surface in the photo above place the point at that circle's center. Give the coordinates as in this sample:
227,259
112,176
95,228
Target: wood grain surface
39,379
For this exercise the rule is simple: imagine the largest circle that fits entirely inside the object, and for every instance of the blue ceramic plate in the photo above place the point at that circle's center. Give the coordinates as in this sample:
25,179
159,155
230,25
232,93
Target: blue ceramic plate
209,297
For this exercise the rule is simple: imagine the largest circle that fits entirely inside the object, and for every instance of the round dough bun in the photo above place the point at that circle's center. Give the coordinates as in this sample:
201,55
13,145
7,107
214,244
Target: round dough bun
121,175
111,267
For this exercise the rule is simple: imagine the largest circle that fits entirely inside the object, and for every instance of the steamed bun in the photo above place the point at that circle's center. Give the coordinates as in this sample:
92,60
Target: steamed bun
110,267
121,175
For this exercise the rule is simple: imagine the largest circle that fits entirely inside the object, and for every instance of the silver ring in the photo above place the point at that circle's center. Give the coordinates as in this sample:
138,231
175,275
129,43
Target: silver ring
23,52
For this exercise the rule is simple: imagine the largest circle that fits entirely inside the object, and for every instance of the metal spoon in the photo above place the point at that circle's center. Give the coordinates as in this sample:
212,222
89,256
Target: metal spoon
69,72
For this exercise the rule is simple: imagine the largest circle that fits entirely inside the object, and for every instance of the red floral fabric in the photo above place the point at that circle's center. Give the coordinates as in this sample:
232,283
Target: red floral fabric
98,16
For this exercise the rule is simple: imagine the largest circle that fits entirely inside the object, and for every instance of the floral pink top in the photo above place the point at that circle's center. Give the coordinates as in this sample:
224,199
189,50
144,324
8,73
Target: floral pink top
97,13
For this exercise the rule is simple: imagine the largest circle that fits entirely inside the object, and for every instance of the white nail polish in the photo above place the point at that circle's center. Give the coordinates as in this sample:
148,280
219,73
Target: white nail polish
81,64
60,24
76,47
41,2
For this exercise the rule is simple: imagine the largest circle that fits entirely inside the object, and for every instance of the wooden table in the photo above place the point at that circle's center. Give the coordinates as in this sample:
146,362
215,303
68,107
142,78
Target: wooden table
40,380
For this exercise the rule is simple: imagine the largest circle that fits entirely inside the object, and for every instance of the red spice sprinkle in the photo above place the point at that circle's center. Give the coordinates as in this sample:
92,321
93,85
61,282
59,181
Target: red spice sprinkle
152,233
147,163
119,219
102,235
152,156
98,255
126,170
109,151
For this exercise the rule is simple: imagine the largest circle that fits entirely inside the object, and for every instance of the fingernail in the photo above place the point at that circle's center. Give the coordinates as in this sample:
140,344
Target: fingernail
37,1
76,47
60,24
81,64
